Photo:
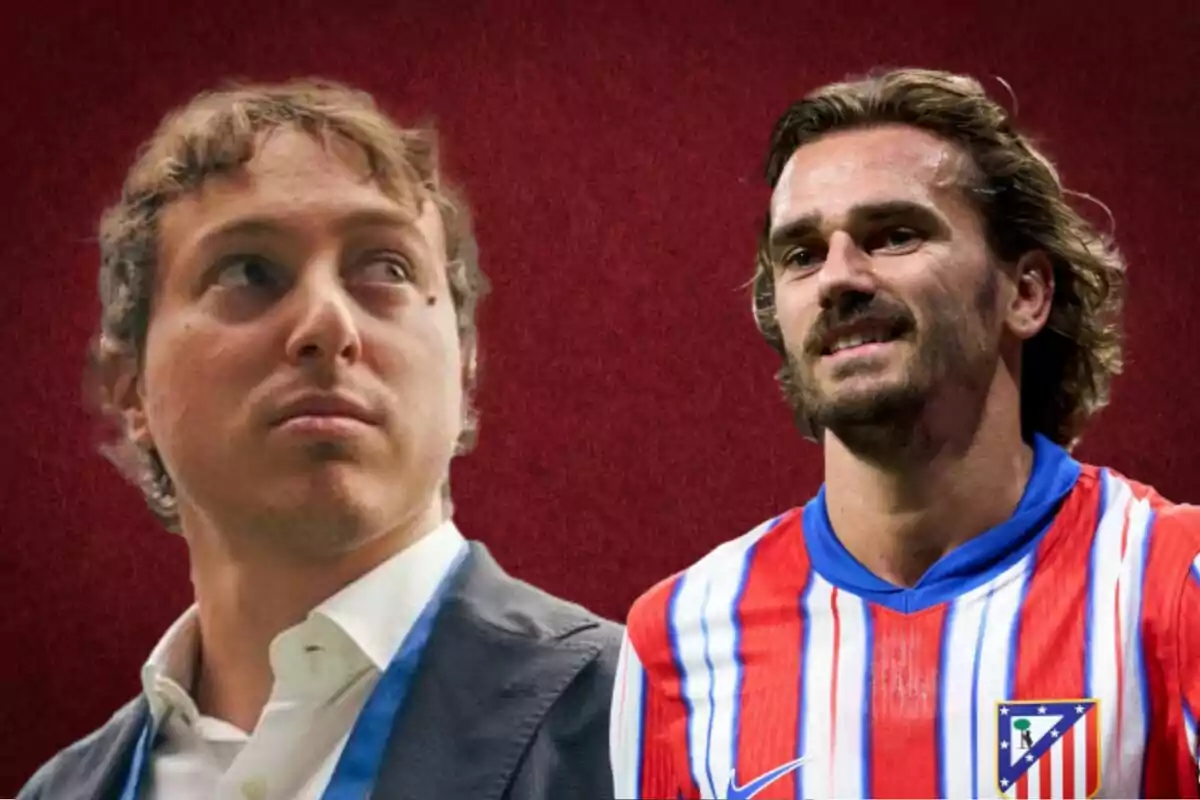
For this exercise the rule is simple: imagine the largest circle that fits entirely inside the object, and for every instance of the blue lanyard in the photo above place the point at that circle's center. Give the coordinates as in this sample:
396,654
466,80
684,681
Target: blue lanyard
362,757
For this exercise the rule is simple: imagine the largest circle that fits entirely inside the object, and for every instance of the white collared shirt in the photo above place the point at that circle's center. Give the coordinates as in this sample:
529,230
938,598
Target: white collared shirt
324,668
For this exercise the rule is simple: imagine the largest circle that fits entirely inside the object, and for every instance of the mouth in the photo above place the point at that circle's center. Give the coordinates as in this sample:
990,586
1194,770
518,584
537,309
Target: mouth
317,409
861,337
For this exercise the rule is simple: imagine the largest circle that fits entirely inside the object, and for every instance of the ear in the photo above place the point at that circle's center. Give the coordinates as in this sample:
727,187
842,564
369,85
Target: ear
123,388
468,423
1030,306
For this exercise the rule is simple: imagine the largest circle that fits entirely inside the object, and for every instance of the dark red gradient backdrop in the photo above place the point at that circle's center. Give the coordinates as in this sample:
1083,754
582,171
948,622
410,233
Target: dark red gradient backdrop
612,153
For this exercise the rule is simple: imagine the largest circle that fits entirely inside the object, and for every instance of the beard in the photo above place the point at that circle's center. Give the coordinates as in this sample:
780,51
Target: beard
818,409
950,351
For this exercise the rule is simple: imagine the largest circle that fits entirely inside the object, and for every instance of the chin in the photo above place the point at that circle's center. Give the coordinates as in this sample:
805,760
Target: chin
324,527
862,387
338,494
880,404
860,393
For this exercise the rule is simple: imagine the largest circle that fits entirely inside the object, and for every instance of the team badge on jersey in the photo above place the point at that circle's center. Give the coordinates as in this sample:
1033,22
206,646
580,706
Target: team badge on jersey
1048,748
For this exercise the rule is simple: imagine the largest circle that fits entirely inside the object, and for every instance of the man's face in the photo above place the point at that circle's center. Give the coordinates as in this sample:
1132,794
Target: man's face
885,287
302,370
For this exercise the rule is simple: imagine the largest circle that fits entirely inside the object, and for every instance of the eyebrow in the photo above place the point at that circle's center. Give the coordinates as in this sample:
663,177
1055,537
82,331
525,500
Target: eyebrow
858,215
268,225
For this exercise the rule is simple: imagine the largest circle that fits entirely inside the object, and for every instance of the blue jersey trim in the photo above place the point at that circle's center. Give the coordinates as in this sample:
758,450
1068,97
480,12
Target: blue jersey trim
972,564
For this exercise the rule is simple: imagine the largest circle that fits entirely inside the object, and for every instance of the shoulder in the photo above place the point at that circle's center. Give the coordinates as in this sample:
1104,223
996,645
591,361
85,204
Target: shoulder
88,760
582,646
1154,538
514,607
574,643
649,617
1173,525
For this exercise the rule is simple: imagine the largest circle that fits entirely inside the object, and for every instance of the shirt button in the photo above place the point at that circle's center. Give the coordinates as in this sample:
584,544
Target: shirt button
254,789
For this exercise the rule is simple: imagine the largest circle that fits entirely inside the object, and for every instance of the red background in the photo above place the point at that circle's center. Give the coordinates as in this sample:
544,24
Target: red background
612,153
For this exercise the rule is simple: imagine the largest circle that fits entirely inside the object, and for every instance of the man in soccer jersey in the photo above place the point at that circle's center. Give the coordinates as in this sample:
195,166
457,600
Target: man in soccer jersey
963,610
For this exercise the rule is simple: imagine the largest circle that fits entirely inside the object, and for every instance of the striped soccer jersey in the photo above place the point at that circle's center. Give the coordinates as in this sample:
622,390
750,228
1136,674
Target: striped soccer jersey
1057,655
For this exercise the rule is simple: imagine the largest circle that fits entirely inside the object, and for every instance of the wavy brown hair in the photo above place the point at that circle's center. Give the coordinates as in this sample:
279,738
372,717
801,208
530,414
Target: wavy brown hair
216,133
1066,369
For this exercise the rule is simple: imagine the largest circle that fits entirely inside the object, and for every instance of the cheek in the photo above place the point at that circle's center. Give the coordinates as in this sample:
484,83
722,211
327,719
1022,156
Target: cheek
450,357
795,311
422,366
193,380
938,298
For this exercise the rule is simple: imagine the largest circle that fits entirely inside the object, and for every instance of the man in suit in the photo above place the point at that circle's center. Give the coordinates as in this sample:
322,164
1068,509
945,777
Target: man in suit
288,343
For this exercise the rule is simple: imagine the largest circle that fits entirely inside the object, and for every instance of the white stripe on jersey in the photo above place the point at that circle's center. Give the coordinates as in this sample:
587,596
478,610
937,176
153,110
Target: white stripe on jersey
849,751
687,628
832,728
703,623
994,682
960,658
1033,778
1055,789
626,730
1189,724
977,674
1114,635
816,659
1082,756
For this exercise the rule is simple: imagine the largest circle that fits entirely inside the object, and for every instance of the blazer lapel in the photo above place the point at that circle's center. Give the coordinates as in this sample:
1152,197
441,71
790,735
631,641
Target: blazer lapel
98,770
489,674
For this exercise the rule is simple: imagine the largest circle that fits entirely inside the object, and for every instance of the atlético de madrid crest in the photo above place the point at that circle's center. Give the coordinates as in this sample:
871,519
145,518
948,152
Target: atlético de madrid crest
1048,748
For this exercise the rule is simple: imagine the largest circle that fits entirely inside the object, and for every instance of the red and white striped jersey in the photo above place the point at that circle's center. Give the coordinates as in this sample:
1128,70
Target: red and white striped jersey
1057,655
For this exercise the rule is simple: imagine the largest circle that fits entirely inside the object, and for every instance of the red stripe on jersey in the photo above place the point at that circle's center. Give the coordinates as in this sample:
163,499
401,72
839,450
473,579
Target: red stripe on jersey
1068,758
1044,778
1059,580
1188,631
1171,630
1092,720
665,733
904,701
770,637
665,771
1022,792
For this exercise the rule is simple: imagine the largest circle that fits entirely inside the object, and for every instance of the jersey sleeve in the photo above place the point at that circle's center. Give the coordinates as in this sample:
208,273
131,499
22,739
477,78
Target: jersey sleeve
1189,655
641,758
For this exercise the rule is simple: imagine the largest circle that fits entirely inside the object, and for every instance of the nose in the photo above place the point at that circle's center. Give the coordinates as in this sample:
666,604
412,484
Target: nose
847,275
325,329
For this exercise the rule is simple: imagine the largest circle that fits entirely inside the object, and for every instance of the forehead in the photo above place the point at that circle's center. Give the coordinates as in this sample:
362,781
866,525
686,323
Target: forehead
829,177
294,181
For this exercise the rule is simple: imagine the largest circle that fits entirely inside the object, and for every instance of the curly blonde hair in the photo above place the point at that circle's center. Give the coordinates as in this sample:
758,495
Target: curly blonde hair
216,133
1067,368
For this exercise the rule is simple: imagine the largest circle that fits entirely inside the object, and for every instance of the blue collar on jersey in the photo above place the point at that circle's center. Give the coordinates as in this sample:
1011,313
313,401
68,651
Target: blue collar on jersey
979,560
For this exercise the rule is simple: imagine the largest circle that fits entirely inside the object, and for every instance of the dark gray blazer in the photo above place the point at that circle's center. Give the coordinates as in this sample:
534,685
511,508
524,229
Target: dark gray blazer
510,702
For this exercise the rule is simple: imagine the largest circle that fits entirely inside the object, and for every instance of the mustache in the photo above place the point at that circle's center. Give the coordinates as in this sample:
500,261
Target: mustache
878,310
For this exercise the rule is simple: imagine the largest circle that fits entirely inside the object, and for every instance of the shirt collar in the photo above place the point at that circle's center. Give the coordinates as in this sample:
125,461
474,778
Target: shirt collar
168,673
374,613
990,554
379,609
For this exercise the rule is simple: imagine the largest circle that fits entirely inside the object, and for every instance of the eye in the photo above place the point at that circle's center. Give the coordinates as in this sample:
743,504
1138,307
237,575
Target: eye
801,258
897,240
246,272
386,267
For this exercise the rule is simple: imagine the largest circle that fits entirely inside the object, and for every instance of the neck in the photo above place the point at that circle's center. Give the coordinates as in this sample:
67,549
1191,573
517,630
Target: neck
248,592
899,515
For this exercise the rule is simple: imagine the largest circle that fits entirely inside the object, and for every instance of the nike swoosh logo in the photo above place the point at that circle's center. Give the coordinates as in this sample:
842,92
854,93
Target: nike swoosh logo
755,786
